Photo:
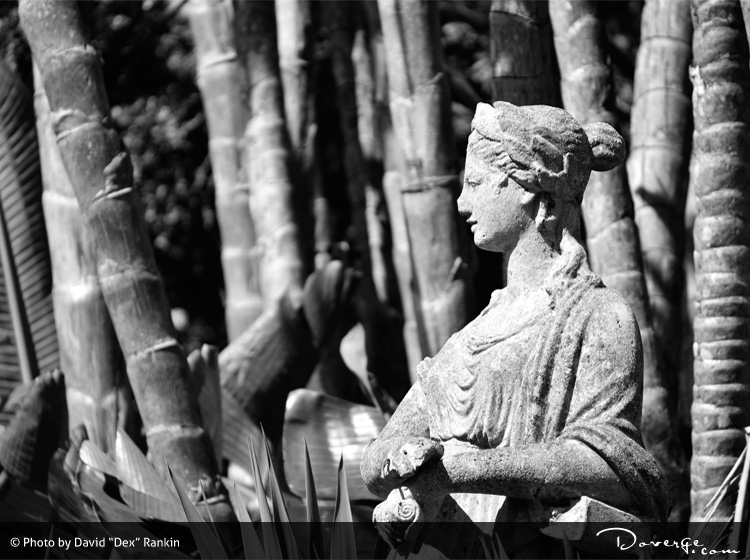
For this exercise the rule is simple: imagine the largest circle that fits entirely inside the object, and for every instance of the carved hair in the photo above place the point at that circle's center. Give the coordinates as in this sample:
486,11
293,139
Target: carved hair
546,151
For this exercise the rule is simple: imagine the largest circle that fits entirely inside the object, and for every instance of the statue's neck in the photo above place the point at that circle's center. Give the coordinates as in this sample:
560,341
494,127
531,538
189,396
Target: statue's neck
529,264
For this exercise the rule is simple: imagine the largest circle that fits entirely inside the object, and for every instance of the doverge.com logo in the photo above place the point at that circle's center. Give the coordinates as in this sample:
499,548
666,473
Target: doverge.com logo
627,539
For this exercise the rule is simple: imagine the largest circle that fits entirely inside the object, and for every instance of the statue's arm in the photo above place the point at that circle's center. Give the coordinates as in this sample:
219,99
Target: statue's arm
606,399
401,448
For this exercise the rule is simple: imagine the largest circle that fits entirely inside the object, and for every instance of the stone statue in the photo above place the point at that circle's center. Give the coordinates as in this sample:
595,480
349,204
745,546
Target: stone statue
537,402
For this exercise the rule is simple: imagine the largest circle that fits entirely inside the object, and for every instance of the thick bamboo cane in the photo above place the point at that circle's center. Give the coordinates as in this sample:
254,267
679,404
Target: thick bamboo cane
521,53
420,107
720,174
89,354
370,142
222,83
340,41
612,237
294,46
393,165
101,174
267,155
657,170
658,163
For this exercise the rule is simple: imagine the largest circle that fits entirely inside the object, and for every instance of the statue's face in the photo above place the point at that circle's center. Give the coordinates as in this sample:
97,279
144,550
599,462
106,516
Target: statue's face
494,205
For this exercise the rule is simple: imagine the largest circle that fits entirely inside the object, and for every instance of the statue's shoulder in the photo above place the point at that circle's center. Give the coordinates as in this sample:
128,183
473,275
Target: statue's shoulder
605,309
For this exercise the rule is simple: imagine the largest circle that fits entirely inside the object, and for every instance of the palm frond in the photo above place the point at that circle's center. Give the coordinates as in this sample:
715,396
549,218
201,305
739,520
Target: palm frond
28,339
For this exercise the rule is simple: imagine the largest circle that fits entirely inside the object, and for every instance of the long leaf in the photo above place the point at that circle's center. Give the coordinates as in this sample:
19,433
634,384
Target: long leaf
250,541
271,542
26,317
343,540
280,513
315,535
208,545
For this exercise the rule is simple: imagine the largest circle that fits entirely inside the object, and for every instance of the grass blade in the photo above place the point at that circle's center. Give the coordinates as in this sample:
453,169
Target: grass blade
741,508
281,514
570,553
208,545
488,554
343,541
250,541
271,543
315,534
713,504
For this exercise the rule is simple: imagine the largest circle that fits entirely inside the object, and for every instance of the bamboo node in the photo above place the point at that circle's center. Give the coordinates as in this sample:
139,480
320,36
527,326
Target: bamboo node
175,430
113,193
214,59
429,183
161,346
118,172
68,121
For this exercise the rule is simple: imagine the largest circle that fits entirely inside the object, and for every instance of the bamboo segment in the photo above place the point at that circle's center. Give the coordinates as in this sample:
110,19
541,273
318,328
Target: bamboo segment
720,172
296,64
89,354
657,169
340,41
386,149
658,164
267,155
101,175
404,270
521,53
221,80
420,107
294,60
612,237
370,142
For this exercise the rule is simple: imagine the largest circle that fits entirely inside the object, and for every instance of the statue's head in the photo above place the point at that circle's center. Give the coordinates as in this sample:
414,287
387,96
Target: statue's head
544,151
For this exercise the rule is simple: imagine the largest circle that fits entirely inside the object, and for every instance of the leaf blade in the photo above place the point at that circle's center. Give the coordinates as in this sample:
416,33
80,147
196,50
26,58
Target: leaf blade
208,545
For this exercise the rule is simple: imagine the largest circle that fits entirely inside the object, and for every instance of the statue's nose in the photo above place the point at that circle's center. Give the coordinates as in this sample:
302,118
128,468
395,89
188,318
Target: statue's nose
463,206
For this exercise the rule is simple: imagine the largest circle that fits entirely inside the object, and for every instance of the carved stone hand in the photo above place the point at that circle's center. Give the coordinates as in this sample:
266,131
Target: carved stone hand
403,462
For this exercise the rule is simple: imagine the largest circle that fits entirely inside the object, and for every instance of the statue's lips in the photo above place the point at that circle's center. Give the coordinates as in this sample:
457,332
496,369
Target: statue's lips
471,223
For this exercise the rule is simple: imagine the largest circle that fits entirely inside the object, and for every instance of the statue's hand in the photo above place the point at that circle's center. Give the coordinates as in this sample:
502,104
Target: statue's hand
404,461
396,517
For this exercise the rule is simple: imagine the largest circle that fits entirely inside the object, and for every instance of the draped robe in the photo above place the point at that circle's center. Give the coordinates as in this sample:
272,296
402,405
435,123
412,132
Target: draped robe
562,362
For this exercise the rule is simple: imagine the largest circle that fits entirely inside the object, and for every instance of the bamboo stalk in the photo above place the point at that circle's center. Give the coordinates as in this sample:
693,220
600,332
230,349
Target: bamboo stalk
222,83
521,53
420,107
340,42
658,163
612,236
267,155
294,62
370,142
721,111
101,175
657,169
89,354
392,162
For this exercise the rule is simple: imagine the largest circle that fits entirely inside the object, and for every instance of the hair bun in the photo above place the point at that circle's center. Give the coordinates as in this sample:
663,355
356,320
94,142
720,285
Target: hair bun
607,146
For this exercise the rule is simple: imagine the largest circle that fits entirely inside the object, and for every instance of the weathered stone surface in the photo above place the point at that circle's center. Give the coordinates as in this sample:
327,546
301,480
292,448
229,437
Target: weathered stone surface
537,402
